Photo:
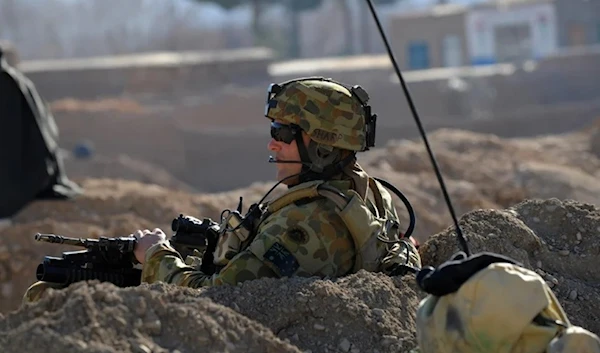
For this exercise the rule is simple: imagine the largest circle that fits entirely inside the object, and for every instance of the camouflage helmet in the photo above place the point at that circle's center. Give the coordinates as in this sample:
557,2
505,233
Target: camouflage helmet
328,111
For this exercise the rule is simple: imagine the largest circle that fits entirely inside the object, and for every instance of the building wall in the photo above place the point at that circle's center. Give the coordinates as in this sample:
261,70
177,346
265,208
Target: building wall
484,25
430,30
578,21
345,27
162,73
486,33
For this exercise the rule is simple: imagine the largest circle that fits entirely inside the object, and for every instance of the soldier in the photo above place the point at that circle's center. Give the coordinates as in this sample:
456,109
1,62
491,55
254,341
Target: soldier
317,127
333,220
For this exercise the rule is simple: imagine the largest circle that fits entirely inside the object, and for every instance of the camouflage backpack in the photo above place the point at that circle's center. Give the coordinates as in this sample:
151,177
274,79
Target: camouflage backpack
503,308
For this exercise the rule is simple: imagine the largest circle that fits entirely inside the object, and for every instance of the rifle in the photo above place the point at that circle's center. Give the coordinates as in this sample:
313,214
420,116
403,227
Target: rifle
105,259
112,259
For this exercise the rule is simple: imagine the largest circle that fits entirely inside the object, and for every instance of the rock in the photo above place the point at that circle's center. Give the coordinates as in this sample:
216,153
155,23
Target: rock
141,348
344,345
573,294
564,252
319,327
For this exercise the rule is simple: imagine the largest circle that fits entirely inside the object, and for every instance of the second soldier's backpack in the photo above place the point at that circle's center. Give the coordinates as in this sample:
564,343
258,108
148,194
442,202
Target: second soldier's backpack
502,308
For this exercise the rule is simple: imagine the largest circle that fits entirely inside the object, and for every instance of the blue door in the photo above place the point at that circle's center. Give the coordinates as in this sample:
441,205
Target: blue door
418,55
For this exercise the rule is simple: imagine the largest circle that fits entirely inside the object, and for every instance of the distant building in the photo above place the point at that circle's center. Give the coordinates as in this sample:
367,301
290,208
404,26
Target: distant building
515,30
578,21
486,33
429,38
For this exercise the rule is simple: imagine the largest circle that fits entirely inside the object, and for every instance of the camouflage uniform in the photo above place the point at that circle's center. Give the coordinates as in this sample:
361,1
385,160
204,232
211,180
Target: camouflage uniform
503,308
302,238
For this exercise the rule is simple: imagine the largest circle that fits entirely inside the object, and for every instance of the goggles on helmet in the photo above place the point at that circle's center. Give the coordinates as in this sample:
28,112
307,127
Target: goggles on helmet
272,91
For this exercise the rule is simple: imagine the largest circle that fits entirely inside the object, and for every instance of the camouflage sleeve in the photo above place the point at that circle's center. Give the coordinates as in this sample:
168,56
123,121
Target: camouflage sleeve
303,240
164,264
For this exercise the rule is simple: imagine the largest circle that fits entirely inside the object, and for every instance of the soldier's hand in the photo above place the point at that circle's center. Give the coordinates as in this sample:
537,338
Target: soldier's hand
146,239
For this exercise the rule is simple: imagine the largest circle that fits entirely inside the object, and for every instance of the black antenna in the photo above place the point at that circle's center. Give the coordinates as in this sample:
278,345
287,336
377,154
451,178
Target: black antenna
461,237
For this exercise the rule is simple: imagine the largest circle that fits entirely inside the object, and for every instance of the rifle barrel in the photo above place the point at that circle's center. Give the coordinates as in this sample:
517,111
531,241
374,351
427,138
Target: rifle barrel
53,238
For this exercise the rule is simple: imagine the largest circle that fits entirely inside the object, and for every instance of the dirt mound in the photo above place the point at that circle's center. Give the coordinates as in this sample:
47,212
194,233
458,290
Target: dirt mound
486,171
123,167
363,312
560,240
100,318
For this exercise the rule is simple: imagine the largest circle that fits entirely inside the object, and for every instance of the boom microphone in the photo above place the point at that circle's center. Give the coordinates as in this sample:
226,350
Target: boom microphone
273,160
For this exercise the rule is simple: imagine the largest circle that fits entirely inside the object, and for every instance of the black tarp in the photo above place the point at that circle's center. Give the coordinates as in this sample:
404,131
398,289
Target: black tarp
30,165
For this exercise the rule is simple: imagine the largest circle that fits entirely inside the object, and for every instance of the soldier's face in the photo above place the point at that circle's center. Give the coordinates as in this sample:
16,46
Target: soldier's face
287,152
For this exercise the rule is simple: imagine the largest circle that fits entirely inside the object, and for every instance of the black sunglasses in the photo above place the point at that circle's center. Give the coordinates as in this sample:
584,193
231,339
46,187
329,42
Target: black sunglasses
283,133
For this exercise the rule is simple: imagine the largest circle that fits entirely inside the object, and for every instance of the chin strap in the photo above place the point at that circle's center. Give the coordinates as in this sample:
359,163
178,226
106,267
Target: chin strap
310,172
304,157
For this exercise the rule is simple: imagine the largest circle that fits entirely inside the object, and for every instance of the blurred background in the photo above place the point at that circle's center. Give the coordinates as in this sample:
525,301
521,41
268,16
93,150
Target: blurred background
175,89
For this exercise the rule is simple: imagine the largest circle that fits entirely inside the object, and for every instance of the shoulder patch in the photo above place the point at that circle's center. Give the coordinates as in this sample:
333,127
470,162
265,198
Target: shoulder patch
283,259
297,235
